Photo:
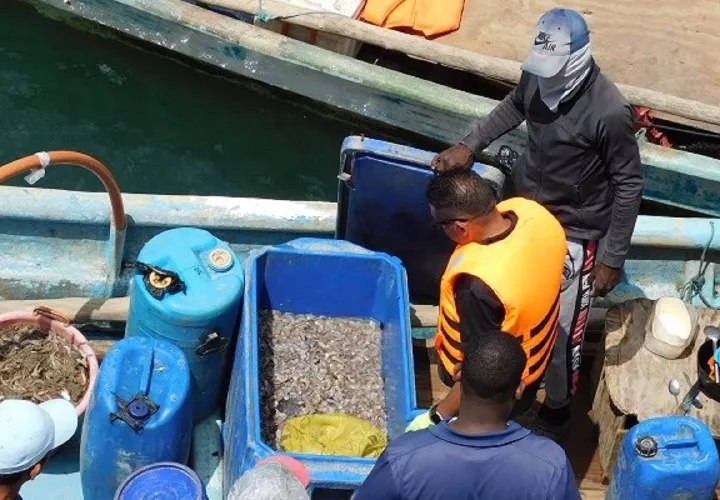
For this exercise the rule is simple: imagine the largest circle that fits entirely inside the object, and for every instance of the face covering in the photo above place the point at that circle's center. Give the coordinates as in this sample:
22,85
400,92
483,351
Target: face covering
562,86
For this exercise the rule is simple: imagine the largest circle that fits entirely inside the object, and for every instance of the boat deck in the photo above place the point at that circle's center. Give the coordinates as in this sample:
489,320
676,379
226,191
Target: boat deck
663,46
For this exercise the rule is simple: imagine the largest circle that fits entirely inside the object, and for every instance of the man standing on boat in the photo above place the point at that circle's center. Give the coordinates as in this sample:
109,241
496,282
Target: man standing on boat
485,286
481,454
583,164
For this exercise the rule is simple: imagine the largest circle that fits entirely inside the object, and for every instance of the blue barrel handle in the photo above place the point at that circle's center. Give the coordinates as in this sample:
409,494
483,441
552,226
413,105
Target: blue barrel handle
211,342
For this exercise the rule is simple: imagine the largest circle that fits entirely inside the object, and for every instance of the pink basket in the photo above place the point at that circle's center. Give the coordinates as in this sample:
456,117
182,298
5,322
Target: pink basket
47,319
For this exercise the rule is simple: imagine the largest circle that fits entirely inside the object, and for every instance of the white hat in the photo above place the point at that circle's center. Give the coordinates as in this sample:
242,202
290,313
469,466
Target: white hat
28,432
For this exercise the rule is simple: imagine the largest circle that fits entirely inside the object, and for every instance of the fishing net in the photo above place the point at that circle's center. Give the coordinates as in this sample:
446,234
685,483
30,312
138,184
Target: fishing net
268,481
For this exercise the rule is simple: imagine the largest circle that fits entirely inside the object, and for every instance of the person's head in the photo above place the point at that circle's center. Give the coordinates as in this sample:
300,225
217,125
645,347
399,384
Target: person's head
462,204
275,478
28,433
492,369
560,36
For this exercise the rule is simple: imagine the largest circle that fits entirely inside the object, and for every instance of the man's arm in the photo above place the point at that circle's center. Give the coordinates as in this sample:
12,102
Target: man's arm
563,485
619,150
506,116
480,311
380,483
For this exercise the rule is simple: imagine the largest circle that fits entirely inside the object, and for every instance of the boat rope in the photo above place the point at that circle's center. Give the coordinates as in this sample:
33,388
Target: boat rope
265,16
693,288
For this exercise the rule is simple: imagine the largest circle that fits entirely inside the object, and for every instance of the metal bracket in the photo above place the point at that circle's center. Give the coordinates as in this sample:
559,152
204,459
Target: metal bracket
134,412
211,342
346,179
158,281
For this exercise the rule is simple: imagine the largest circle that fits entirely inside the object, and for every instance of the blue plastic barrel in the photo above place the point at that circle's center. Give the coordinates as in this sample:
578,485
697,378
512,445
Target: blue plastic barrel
666,458
162,481
140,413
199,315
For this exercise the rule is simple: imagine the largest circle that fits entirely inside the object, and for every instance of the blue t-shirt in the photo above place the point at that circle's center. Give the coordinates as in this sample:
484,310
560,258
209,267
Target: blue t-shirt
440,463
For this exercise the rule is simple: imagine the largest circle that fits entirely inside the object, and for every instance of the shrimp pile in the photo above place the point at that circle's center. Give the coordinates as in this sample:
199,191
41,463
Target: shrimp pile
314,364
36,365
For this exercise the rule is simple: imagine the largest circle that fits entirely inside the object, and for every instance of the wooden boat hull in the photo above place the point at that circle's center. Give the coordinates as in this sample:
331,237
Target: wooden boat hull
673,177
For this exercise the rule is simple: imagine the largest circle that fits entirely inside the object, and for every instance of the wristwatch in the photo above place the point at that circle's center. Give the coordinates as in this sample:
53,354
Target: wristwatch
435,416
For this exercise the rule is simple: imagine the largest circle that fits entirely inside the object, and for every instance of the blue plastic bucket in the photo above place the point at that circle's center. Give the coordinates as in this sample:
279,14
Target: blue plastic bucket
162,481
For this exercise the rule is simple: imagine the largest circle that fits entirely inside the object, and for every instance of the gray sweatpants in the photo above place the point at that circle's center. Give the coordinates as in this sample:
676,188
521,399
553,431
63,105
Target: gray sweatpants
563,371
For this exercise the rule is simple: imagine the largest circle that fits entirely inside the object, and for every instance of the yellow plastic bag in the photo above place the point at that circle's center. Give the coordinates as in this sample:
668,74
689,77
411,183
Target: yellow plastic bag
332,434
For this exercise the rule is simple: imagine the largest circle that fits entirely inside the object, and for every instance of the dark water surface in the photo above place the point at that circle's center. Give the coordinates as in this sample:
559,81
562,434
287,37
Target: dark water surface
159,124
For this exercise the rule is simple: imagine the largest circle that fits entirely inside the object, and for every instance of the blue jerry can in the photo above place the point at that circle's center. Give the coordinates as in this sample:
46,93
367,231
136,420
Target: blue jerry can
188,291
140,412
666,458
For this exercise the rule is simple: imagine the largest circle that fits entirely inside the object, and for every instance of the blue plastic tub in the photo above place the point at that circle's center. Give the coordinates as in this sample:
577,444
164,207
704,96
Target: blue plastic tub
330,278
202,318
140,413
162,481
666,458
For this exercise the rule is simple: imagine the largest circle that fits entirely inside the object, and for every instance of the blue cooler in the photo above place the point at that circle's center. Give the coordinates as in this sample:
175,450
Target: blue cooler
326,278
666,458
382,207
188,291
140,412
162,481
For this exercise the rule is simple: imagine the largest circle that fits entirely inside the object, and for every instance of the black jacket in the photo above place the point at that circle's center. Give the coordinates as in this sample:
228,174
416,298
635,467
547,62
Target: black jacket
582,163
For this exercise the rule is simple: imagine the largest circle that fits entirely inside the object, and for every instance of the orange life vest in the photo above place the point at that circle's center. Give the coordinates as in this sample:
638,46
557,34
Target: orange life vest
430,17
525,271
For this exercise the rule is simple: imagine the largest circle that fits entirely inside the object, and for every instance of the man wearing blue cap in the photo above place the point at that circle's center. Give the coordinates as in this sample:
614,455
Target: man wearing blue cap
582,163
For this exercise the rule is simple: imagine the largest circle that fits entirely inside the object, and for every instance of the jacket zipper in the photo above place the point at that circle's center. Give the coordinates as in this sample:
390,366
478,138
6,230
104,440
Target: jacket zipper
539,168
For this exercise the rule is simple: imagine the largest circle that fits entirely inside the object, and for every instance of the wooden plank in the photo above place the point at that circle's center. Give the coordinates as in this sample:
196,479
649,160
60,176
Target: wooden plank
80,310
101,347
77,309
457,57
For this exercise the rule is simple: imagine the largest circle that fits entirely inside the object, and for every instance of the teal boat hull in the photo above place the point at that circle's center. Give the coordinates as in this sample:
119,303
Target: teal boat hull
673,178
60,243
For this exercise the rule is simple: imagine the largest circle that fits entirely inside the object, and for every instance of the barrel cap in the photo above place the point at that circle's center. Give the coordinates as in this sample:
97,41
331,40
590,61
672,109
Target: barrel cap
162,481
646,446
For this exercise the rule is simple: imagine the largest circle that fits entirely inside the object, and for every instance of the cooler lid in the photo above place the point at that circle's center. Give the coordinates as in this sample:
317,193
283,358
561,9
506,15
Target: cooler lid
382,207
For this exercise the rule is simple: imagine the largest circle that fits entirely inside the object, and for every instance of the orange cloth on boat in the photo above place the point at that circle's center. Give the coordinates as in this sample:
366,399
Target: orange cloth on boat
430,17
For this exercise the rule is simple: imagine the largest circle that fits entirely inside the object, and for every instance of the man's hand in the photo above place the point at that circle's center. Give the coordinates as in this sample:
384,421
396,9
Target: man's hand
458,156
458,372
604,278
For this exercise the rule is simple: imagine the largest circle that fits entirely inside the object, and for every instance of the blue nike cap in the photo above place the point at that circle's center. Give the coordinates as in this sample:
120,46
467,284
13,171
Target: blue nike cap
558,33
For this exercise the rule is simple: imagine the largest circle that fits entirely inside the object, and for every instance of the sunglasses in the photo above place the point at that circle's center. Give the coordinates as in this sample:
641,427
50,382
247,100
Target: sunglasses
442,223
